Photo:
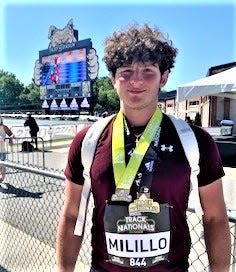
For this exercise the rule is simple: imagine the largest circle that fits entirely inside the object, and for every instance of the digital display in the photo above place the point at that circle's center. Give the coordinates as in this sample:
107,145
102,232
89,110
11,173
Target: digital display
65,67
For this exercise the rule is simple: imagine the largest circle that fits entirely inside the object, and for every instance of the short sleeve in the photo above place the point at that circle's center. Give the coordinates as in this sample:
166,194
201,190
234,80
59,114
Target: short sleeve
74,167
210,163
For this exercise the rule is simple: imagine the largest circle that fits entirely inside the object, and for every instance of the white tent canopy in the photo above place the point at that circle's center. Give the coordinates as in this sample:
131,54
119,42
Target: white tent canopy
221,84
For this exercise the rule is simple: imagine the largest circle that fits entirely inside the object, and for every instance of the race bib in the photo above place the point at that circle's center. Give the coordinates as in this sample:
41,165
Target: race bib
138,234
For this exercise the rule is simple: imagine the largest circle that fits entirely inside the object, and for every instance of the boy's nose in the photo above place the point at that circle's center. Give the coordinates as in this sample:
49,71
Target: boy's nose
136,77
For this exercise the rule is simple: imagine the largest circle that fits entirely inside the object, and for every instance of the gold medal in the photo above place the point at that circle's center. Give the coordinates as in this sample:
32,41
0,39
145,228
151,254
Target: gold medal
143,204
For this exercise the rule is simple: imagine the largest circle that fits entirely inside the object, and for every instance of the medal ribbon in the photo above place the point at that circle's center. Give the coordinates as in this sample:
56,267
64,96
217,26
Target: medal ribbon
124,176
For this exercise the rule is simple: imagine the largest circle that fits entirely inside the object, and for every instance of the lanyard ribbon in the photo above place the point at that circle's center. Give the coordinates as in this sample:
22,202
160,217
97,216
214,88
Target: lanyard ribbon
125,175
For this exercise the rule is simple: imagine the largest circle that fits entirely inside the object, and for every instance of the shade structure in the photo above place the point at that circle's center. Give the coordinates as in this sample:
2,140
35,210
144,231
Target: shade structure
221,84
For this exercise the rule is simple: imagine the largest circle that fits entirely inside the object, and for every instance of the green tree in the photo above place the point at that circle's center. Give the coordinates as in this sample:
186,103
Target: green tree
10,90
14,96
30,97
105,96
34,93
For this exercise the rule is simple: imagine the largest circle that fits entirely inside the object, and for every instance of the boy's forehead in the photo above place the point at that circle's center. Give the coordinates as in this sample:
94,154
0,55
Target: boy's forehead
139,64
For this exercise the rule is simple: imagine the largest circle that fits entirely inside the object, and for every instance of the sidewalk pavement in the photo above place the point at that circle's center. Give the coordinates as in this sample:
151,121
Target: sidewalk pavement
63,145
56,155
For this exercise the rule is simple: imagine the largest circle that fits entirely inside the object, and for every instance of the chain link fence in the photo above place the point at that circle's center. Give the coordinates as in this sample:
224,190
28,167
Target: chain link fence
23,152
30,202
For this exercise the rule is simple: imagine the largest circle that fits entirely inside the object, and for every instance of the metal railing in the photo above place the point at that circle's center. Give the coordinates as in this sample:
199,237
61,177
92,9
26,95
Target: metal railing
31,157
30,202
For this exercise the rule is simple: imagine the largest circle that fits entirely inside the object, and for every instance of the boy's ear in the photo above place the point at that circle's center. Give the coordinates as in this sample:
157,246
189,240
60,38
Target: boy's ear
164,78
112,80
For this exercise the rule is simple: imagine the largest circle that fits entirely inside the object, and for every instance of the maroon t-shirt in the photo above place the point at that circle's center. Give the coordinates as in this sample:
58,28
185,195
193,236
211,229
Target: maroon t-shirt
170,185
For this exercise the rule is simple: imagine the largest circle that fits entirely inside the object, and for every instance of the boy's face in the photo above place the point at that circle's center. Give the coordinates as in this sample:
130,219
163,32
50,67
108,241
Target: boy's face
138,84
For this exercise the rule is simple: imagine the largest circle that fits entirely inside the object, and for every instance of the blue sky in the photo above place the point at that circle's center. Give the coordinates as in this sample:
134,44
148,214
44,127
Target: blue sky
203,31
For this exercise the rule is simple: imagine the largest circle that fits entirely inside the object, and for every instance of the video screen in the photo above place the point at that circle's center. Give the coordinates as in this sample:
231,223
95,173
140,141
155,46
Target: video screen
65,67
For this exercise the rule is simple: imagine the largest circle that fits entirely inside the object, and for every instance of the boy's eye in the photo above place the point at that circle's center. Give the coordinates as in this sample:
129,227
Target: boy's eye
126,72
145,73
148,70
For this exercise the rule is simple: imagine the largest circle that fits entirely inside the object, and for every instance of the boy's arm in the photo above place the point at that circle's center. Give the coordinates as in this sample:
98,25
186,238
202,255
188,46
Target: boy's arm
216,226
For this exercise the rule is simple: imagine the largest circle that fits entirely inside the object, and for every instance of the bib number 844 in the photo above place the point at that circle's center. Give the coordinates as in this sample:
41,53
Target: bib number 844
137,262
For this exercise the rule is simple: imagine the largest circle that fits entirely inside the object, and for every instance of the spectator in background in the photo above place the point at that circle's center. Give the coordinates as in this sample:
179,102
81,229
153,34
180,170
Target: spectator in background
33,129
4,132
188,120
197,120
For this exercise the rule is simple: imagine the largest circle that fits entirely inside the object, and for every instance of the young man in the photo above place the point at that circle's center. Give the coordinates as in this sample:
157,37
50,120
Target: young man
140,174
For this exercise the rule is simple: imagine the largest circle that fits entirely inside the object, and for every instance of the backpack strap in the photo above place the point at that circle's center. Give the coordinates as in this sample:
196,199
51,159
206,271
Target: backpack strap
191,150
88,148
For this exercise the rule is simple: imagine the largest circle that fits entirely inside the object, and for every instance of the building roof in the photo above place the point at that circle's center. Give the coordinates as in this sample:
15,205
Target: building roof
163,96
220,68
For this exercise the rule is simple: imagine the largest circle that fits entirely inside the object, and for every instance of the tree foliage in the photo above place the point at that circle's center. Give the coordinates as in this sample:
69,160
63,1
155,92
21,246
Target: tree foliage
106,98
30,95
10,89
14,96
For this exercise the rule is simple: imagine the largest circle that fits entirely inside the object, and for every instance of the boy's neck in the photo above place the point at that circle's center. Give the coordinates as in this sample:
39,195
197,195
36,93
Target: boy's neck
140,117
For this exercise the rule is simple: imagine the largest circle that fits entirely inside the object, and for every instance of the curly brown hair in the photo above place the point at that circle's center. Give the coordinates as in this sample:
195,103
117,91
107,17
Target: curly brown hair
139,44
